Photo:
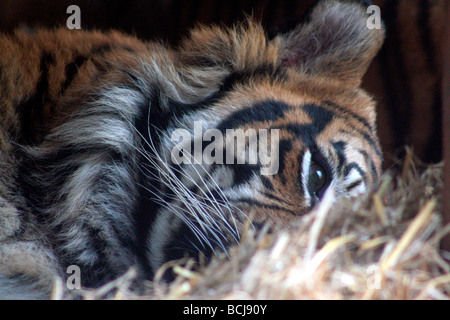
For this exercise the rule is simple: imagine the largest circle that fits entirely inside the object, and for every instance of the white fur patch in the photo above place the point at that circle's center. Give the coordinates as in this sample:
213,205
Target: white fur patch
306,167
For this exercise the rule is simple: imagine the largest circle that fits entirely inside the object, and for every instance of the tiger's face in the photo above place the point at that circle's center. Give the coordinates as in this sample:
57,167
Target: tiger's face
279,122
303,144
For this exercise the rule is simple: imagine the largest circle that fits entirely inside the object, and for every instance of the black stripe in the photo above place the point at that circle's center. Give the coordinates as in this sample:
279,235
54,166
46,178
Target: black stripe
366,136
284,147
369,159
354,165
71,71
74,67
255,203
146,208
241,77
93,273
273,197
273,110
100,272
178,109
320,117
306,132
372,142
184,243
348,113
339,148
267,183
353,185
243,172
269,110
31,111
373,169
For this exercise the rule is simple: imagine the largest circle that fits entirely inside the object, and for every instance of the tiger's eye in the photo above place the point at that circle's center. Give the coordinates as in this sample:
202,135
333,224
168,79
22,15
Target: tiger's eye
317,178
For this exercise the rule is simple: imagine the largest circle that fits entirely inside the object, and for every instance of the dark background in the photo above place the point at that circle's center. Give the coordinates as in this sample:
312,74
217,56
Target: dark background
405,78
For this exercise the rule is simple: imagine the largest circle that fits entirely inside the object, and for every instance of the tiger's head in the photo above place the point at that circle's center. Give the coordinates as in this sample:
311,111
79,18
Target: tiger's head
260,128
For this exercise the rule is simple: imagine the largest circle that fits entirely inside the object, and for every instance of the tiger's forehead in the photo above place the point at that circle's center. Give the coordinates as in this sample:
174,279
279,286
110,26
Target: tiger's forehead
328,123
292,101
298,89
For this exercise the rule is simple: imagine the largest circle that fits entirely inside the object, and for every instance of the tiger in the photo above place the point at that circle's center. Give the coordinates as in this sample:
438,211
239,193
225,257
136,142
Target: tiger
87,120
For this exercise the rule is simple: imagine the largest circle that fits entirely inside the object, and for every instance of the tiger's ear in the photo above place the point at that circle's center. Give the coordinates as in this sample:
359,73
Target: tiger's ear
336,42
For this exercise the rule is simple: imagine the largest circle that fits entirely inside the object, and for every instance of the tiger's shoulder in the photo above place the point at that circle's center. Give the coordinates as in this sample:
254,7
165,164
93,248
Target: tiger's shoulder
41,69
